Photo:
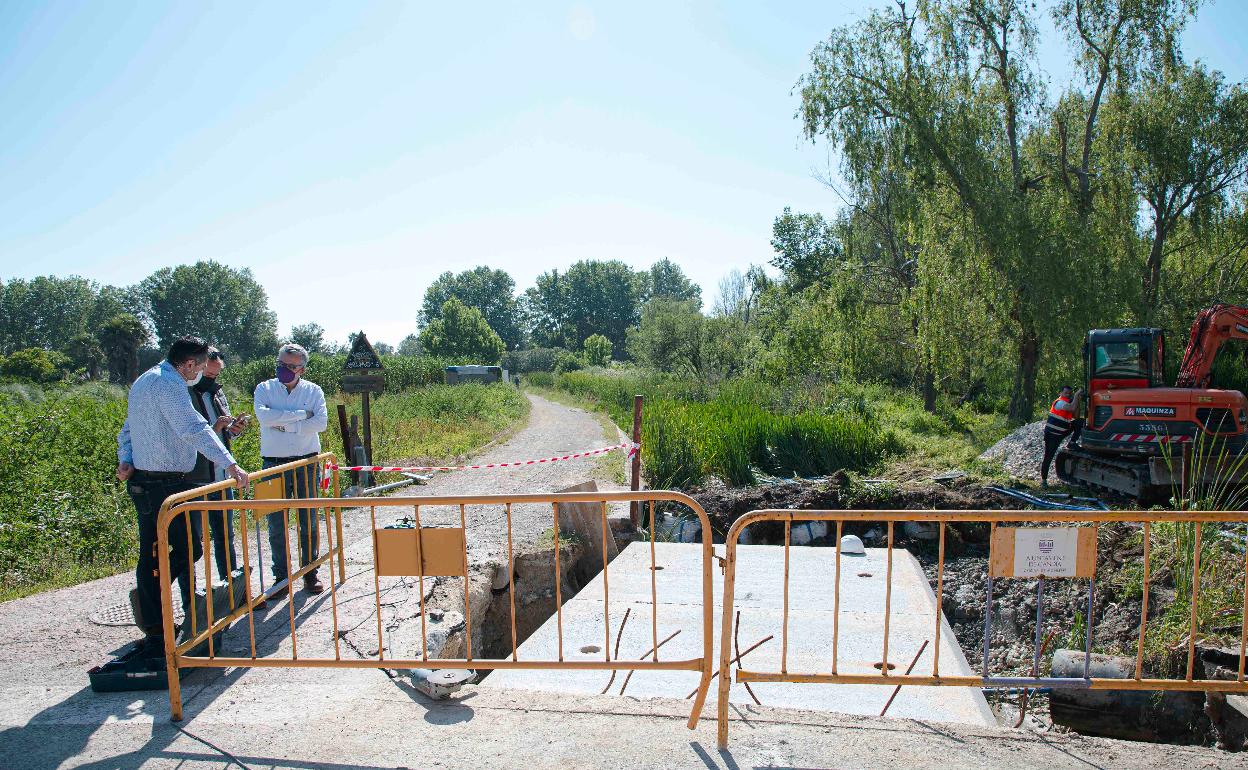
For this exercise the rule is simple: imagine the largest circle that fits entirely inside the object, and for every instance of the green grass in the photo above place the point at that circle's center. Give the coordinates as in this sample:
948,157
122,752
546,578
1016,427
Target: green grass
64,518
736,430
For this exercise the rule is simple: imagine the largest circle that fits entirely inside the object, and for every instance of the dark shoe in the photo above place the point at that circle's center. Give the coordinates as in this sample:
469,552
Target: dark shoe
1044,484
312,584
152,647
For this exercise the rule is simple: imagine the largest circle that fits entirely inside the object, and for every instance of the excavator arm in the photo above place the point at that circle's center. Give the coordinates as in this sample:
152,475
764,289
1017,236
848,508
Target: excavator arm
1210,330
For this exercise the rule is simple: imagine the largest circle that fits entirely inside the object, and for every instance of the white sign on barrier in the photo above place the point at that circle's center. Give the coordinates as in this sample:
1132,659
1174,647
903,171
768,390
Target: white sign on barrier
1050,552
1047,552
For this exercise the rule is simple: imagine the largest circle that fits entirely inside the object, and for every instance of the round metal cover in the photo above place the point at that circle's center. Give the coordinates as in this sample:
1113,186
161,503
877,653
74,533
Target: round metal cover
122,615
447,677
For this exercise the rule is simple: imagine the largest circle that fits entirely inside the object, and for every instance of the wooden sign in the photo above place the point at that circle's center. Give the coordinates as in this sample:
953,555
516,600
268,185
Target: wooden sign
362,383
362,356
1047,552
440,550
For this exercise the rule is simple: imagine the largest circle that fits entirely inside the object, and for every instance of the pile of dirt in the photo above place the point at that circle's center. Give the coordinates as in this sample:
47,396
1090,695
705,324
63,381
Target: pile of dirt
725,504
1020,452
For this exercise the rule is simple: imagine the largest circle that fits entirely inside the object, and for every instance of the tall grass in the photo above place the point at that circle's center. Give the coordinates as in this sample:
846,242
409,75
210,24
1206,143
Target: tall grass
1211,562
735,431
63,516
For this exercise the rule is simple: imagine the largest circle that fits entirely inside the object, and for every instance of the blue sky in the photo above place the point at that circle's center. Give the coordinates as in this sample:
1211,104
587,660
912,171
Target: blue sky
348,153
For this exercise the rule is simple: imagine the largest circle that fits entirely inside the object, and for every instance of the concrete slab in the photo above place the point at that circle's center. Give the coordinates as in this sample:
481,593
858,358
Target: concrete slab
759,596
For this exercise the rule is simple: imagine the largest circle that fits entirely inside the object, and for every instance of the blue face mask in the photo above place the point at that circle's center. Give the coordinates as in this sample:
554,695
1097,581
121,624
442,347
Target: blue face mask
285,375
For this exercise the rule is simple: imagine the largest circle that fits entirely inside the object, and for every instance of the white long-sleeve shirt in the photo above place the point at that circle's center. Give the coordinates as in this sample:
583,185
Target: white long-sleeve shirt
285,428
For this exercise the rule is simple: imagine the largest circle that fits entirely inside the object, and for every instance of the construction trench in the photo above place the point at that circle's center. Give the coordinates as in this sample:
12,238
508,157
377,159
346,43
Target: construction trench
1173,717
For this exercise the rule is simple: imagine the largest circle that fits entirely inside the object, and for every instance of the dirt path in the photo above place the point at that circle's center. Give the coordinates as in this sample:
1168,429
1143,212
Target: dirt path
553,430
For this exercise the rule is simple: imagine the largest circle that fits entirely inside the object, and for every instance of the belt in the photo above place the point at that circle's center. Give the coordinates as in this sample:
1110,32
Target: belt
289,459
161,475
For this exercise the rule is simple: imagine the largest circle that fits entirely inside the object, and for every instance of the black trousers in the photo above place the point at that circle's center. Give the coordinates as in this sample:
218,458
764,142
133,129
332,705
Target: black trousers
148,495
1053,439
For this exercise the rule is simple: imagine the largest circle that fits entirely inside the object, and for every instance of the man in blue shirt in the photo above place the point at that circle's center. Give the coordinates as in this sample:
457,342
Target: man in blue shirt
156,453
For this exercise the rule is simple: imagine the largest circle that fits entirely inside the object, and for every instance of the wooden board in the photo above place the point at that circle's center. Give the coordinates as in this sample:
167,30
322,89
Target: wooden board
441,550
585,519
1077,560
362,383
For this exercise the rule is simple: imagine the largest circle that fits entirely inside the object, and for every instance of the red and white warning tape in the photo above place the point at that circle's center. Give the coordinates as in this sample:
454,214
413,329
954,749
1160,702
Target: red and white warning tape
630,446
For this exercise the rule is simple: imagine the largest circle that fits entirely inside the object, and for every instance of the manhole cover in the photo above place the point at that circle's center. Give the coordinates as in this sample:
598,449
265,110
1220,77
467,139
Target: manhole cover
122,615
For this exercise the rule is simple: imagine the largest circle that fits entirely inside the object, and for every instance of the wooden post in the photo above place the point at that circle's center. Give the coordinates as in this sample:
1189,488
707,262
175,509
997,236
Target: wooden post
347,452
635,513
368,429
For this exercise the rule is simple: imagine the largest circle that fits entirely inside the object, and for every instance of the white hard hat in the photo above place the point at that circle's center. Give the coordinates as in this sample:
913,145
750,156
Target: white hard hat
852,544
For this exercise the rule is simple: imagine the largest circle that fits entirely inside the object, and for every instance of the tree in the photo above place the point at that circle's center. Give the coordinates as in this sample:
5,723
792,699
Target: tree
1113,39
461,332
597,350
383,348
666,279
1189,134
490,291
943,97
44,312
120,338
669,337
85,353
410,346
310,335
225,307
592,297
35,365
806,248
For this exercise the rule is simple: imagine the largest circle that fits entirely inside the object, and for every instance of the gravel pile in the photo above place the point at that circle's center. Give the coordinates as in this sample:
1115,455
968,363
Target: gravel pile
1020,452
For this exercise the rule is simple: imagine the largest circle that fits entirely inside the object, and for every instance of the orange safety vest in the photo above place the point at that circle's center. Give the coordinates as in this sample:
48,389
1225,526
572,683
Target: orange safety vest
1065,414
1060,419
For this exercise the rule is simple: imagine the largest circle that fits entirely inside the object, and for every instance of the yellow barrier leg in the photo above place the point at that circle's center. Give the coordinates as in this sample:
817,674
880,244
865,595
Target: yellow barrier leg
704,688
725,674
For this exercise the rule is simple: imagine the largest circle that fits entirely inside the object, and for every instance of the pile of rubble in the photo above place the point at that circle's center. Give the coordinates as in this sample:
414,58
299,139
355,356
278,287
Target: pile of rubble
1020,452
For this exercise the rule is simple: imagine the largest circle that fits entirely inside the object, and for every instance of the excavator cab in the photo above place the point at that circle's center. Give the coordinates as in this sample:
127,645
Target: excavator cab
1124,358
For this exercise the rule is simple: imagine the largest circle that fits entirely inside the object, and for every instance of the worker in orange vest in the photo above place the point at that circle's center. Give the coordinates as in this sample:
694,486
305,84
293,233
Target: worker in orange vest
1061,423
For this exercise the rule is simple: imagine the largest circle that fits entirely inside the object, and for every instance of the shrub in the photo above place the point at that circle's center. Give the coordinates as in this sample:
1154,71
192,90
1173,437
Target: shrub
35,365
597,350
568,362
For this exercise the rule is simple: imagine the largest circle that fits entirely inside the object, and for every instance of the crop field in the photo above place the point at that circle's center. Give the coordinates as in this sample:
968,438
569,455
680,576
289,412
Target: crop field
64,518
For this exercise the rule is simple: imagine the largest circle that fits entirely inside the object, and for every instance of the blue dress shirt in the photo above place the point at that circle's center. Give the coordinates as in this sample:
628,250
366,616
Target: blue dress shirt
163,431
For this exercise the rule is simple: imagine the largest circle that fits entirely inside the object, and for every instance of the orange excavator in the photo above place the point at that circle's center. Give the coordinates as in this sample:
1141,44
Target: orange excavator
1139,431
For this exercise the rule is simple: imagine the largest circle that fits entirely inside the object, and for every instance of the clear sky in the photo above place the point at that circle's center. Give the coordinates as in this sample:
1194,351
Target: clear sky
348,153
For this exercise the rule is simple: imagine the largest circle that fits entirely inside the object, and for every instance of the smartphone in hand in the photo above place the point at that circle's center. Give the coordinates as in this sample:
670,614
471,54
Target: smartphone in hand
239,423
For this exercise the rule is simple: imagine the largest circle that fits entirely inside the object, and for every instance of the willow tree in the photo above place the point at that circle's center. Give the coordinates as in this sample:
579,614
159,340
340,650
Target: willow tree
1189,136
949,84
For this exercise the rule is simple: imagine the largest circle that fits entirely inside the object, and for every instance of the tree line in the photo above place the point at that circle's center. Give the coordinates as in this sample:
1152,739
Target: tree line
979,226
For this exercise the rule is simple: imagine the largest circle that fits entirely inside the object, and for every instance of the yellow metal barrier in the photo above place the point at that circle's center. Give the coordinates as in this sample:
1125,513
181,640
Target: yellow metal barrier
1001,561
418,552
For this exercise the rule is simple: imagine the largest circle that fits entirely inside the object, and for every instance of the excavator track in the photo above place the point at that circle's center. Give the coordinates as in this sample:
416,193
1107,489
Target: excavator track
1129,478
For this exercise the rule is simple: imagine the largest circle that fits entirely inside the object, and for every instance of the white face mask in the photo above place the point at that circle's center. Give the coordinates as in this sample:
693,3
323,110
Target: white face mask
192,382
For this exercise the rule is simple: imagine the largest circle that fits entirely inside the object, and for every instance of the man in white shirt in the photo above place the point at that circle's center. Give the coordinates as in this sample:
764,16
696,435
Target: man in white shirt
292,413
